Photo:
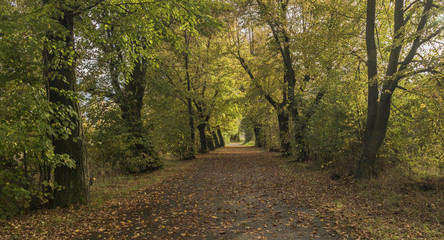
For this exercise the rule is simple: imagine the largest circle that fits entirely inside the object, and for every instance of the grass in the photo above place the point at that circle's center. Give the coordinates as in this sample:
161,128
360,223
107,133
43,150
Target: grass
121,186
104,191
393,206
250,143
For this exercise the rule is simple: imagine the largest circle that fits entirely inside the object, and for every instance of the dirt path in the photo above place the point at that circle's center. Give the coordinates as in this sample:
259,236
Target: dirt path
236,193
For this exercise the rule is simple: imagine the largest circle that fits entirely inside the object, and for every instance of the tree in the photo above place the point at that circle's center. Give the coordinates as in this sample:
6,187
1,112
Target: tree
59,60
299,35
280,105
192,76
401,63
129,51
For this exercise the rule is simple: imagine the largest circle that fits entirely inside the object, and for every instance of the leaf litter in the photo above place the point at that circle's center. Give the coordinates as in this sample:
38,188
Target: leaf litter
233,193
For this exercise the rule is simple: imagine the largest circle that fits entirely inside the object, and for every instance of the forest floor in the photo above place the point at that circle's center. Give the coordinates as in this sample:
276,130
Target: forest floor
235,192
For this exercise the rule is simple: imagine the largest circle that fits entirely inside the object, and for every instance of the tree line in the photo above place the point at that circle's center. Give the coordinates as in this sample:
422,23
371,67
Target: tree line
93,87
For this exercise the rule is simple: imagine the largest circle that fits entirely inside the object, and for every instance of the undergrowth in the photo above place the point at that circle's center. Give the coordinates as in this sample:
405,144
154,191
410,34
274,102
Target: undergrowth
396,205
103,191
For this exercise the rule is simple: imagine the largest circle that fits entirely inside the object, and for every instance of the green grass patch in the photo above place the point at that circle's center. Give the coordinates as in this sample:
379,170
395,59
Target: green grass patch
121,186
250,143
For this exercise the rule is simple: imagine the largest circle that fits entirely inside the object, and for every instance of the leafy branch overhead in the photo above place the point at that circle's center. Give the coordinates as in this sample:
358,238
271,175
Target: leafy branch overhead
348,92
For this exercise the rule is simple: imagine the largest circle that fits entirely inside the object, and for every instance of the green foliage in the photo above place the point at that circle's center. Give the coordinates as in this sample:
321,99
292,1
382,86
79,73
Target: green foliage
105,134
28,122
415,137
335,130
26,151
110,145
170,128
191,50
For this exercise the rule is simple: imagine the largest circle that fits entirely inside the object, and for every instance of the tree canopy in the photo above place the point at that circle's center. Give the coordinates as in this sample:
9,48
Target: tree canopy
93,87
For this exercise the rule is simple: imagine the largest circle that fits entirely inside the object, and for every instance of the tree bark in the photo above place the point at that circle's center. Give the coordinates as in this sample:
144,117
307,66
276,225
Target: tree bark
189,101
282,112
61,82
221,138
203,137
283,131
259,137
369,149
132,102
379,111
216,140
129,98
210,143
300,126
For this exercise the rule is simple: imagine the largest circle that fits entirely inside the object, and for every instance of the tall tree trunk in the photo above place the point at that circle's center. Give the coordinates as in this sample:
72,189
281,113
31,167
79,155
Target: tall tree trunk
300,126
216,140
191,152
189,102
210,143
131,105
61,84
130,100
379,112
283,132
258,136
203,137
221,138
369,149
282,112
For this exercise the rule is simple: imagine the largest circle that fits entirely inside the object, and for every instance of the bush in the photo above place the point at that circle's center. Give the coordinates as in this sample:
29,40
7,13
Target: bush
27,156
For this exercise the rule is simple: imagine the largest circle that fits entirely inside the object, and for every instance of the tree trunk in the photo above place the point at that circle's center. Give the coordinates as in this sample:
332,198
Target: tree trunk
189,102
300,125
216,140
302,148
203,137
132,102
191,152
60,87
283,132
379,112
258,136
221,138
210,143
369,149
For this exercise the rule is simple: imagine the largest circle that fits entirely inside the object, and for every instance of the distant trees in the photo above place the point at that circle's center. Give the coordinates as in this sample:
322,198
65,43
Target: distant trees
307,61
196,78
290,28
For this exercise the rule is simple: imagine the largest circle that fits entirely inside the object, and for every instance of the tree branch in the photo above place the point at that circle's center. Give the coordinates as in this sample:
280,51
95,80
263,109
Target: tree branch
434,34
253,79
417,42
315,103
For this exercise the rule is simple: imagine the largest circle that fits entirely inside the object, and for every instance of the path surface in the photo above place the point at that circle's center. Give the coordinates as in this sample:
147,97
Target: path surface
236,193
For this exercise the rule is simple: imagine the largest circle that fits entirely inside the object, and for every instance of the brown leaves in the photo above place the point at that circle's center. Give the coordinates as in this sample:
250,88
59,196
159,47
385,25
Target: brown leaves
237,192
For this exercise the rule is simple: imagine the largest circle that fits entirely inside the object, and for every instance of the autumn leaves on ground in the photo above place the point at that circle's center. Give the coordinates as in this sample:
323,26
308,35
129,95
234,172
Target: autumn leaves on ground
236,192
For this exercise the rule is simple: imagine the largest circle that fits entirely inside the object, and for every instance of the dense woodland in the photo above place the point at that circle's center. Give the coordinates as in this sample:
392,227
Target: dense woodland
96,88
